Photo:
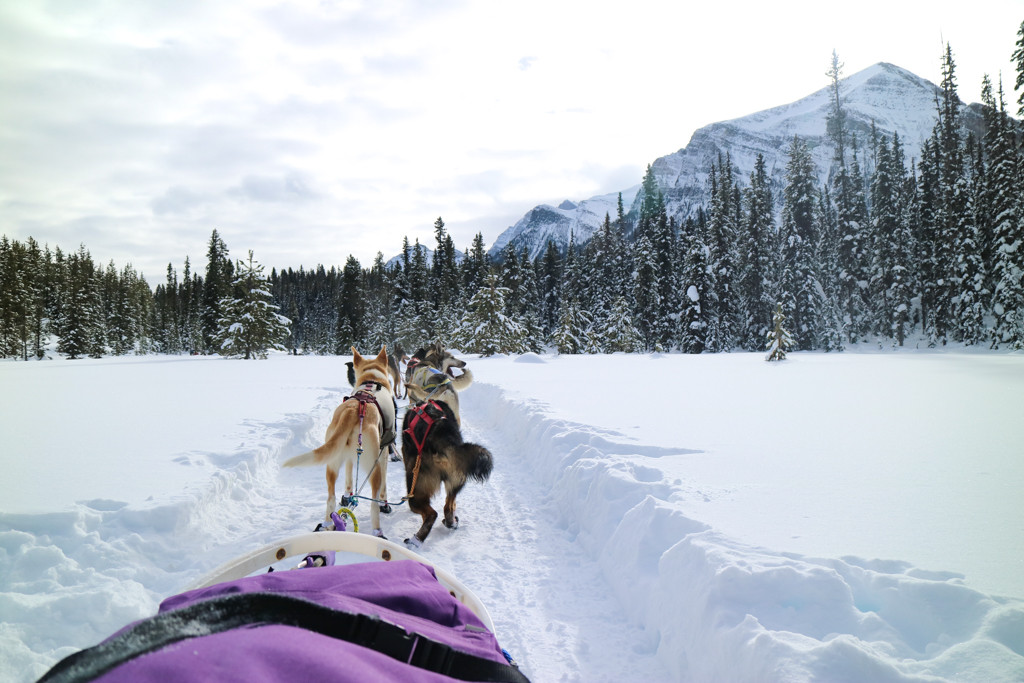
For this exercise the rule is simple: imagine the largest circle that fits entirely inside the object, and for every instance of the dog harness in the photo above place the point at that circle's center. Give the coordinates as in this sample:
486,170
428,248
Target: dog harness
365,395
420,414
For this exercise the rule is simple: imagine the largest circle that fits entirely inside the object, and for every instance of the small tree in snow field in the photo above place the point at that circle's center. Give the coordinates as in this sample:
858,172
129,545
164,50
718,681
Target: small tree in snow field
251,325
779,339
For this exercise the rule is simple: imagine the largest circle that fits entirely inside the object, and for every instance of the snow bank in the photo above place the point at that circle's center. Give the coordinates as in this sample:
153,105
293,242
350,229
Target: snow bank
722,610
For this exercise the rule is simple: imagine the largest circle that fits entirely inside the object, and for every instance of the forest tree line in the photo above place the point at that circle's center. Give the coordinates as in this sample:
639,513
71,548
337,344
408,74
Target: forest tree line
883,252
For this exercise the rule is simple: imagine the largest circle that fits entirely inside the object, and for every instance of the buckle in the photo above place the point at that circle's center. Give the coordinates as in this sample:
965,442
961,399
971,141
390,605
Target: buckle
432,656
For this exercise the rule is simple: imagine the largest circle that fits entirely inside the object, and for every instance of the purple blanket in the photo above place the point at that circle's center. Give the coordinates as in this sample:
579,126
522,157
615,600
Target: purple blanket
402,593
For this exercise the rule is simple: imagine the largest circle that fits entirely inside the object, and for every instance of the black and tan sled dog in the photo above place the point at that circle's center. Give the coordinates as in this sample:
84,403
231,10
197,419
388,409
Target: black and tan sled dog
434,452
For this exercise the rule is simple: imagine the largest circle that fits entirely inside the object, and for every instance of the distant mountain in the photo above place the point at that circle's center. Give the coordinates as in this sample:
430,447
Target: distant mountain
556,223
891,97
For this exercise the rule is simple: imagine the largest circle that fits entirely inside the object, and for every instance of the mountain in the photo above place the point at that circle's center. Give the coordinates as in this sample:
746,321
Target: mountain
546,223
892,98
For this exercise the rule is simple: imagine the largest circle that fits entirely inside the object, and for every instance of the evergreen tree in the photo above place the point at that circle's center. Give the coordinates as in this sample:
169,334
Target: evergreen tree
81,325
549,285
969,269
800,288
486,328
1007,207
756,250
618,332
573,334
695,278
251,325
475,266
951,205
216,289
1018,58
779,339
444,269
351,327
646,294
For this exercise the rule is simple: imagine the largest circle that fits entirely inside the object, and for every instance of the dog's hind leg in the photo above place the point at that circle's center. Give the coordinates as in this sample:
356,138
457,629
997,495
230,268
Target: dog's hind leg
421,506
378,481
450,520
332,500
349,486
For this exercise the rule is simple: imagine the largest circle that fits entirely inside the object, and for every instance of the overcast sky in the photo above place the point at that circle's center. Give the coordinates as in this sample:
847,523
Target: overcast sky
309,131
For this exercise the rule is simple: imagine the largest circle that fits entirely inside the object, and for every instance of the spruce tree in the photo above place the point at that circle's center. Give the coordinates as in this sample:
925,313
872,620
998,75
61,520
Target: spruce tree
756,250
618,333
691,337
800,288
779,338
486,328
216,288
81,324
1007,233
251,325
1018,58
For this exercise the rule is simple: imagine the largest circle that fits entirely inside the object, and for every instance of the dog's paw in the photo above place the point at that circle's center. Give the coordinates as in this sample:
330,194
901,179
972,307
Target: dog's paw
454,523
414,543
379,534
385,508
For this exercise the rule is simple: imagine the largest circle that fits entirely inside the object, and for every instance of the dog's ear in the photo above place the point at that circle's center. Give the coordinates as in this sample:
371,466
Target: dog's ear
383,355
356,357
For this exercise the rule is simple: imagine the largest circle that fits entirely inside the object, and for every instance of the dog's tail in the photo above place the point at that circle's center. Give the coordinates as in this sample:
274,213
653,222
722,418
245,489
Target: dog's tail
477,460
462,381
313,457
317,456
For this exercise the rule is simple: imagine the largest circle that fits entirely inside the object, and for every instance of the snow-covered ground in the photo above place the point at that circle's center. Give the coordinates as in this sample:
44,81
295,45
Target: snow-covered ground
850,516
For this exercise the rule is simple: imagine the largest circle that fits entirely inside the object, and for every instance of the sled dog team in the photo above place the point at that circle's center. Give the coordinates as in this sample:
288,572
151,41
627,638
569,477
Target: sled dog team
363,430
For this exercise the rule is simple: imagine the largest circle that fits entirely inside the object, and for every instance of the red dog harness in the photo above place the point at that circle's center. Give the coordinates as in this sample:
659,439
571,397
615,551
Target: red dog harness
420,414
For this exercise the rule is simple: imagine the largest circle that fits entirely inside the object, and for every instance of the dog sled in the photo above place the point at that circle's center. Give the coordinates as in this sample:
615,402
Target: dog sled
357,608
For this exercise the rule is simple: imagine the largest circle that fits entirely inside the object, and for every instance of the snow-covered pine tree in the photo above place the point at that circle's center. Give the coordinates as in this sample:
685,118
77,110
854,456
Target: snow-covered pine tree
884,208
474,266
971,298
550,286
251,325
904,249
351,325
1007,205
691,337
13,307
951,195
780,341
646,289
486,328
216,288
722,303
799,233
1018,59
618,332
831,333
757,248
81,325
573,333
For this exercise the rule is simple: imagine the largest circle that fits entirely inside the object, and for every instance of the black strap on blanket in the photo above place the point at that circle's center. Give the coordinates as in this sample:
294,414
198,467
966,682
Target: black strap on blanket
241,610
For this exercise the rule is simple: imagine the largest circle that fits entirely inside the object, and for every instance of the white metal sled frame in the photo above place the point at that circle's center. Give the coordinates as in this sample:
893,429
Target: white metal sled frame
338,541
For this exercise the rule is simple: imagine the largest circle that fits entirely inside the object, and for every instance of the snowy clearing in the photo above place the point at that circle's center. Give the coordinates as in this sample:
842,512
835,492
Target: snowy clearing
846,516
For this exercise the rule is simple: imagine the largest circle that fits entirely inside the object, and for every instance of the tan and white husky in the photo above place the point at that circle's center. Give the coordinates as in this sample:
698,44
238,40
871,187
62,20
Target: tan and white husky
374,392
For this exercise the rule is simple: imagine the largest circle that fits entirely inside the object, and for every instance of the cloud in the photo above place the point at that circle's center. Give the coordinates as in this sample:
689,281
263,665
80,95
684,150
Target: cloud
526,62
288,188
